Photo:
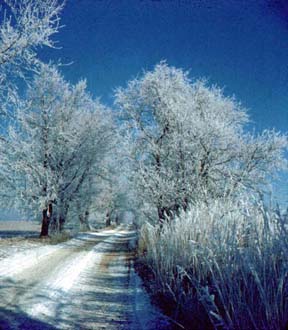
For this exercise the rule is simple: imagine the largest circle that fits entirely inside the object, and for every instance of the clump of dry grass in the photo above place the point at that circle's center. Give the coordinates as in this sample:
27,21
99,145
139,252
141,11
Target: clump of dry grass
231,259
59,237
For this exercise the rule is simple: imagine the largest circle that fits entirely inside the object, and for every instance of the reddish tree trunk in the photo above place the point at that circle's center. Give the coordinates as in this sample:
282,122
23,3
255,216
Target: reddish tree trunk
46,215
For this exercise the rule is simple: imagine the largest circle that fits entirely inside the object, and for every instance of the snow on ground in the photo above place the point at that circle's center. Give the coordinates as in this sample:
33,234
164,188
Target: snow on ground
87,283
15,237
17,258
11,247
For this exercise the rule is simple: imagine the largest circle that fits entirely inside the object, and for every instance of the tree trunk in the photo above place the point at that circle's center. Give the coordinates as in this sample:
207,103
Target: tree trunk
161,215
46,215
61,223
108,219
63,215
84,224
53,226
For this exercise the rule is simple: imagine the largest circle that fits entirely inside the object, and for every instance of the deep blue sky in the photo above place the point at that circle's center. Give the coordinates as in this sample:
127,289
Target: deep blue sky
241,45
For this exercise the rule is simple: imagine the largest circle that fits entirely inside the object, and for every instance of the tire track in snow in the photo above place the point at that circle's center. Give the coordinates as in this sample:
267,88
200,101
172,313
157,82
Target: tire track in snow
59,286
87,286
29,277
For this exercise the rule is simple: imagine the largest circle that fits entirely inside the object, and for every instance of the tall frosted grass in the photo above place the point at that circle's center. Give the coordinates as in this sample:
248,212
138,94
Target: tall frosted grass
227,260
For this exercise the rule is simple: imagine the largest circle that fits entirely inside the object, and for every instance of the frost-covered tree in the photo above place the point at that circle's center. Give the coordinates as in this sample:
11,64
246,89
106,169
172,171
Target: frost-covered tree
112,190
55,145
189,141
25,25
101,150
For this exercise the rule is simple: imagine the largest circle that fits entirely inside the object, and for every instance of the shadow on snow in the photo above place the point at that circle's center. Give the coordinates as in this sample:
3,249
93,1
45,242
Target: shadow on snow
107,296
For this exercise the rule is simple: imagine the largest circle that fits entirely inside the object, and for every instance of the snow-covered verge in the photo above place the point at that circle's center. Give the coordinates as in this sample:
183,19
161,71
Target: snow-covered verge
12,246
223,265
18,236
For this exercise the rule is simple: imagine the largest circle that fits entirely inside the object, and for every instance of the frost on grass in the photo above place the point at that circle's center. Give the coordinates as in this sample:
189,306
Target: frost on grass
230,258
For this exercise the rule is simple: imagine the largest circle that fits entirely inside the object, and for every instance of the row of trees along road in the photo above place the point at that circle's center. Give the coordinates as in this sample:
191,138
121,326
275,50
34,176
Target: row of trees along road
56,139
184,141
56,148
188,143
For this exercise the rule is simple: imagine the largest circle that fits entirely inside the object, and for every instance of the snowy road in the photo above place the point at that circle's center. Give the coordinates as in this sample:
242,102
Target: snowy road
88,282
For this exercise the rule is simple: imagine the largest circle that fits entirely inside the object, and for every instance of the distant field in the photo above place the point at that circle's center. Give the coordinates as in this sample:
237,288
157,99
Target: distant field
18,228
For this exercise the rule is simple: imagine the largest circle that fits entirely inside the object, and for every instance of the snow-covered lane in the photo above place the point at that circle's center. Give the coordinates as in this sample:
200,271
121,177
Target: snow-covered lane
33,276
22,261
86,284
